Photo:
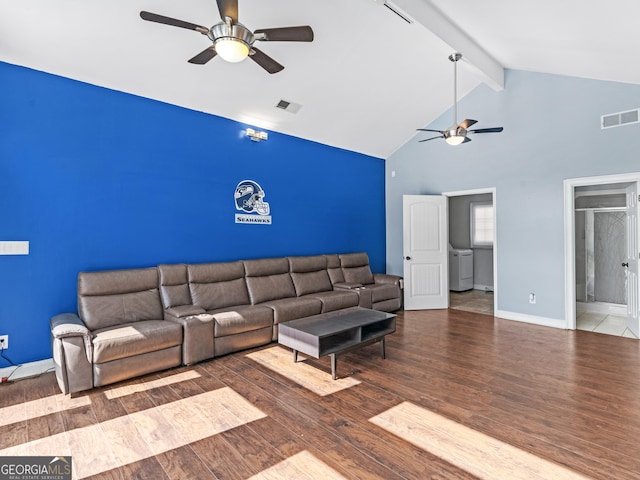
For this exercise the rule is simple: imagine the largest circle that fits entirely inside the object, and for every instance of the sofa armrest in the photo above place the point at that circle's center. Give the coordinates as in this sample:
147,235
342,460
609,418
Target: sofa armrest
72,345
197,341
347,285
184,311
387,278
68,325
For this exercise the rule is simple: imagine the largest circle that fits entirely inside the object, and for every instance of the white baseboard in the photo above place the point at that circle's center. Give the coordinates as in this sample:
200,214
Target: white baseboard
523,317
30,369
484,288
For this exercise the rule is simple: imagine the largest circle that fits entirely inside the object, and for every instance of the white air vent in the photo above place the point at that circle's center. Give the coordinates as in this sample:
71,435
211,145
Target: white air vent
288,106
620,118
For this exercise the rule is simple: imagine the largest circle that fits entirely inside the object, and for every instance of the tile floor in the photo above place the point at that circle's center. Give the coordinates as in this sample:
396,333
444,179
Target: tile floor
603,323
477,301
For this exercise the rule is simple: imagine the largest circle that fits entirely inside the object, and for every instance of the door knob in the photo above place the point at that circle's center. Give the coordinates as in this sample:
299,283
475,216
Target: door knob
626,264
407,258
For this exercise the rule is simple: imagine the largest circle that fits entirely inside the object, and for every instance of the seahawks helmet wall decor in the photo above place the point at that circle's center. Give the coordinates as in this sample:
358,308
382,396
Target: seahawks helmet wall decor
249,198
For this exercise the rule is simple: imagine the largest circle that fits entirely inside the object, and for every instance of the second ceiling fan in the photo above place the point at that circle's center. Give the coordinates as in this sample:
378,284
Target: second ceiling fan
457,133
232,40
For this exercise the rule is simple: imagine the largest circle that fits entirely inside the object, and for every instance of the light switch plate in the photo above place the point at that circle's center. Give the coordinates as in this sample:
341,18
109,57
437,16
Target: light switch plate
14,248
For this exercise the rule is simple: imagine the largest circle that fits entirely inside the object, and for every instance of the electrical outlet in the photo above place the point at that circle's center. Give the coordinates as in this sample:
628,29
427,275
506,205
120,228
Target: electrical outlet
4,342
532,298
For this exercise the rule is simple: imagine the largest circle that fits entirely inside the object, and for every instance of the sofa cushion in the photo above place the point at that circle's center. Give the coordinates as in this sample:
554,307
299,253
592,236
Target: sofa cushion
111,282
218,285
383,291
116,297
286,309
311,282
174,290
355,268
334,269
113,343
215,272
235,320
309,274
307,263
336,299
268,279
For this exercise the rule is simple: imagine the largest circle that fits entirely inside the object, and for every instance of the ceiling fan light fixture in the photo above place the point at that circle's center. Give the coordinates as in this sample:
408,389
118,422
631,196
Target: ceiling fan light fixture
454,139
231,49
232,41
455,135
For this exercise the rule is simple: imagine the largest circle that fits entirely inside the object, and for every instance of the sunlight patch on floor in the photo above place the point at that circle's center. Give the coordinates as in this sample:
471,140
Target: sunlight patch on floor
118,392
102,447
468,449
280,360
303,466
40,408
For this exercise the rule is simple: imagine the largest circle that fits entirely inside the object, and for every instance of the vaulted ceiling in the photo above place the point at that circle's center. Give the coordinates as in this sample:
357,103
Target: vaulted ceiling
367,81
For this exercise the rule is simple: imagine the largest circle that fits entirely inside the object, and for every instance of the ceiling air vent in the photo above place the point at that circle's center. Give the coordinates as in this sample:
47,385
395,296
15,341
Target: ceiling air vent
620,118
395,9
288,106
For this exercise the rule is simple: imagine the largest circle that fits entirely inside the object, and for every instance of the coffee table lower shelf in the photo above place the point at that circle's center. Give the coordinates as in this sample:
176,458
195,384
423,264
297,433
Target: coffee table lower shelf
329,334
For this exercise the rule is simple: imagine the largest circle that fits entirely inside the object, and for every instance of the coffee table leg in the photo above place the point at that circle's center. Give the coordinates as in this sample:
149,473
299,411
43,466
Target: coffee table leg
295,356
333,365
382,348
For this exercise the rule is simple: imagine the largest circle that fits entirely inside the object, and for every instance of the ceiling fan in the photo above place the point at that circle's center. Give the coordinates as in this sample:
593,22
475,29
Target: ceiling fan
232,40
457,133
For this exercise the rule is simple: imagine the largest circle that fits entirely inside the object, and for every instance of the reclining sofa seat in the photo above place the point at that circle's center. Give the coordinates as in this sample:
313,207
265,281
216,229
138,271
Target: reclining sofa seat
311,280
137,321
211,302
378,291
270,285
118,333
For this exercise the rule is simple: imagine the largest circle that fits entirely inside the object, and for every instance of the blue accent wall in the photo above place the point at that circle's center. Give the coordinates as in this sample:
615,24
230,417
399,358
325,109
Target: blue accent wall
96,179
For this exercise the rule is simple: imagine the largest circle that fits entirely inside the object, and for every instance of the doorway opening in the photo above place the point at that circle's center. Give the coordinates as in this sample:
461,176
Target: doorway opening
601,252
472,251
600,249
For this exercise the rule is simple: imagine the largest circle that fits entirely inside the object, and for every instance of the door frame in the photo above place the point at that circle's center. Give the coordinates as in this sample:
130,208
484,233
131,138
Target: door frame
569,186
492,190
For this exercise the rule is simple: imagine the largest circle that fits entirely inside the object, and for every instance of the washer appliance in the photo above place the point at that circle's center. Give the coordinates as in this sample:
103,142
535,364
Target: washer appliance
460,269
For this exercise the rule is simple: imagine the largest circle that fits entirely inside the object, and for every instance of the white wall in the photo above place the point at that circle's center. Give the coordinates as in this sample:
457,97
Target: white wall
551,132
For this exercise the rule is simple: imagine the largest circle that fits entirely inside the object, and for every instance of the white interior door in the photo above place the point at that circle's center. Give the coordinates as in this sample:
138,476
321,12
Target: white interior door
631,262
425,249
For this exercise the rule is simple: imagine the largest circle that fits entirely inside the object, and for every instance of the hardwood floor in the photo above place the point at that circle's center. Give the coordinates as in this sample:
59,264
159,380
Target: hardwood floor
476,301
460,396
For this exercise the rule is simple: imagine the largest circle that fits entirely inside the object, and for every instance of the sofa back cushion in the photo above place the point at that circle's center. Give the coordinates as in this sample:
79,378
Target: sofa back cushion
355,268
174,288
309,274
268,279
334,269
217,285
114,297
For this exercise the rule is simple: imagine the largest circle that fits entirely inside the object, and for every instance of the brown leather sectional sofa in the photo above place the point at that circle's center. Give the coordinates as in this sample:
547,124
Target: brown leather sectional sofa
138,321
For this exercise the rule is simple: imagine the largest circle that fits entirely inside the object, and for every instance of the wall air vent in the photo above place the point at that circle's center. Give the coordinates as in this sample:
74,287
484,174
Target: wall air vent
621,118
288,106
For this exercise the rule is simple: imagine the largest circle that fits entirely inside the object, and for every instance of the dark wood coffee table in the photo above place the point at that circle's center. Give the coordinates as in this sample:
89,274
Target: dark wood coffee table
336,332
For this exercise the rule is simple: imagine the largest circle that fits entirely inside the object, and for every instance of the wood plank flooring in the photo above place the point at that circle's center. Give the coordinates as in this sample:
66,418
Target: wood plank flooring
461,395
